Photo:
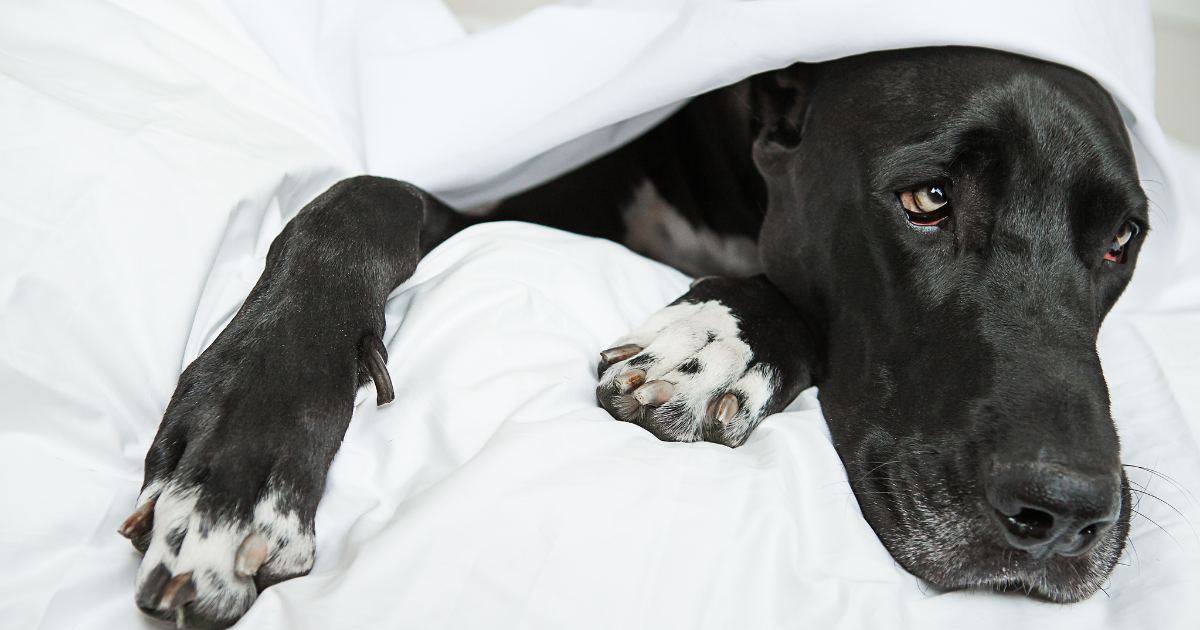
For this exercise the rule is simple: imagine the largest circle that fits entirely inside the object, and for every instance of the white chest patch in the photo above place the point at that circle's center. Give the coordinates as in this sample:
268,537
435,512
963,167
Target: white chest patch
654,228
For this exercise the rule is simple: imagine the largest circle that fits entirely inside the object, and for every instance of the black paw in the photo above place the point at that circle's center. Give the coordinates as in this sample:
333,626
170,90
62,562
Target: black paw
686,375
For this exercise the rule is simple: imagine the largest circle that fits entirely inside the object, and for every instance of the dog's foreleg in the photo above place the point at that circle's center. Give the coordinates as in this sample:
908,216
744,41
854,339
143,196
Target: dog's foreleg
233,478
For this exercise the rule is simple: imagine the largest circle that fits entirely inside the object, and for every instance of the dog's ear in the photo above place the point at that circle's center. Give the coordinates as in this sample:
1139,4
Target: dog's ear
780,99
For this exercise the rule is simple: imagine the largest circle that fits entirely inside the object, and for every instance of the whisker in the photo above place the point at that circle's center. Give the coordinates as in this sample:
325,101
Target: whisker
864,476
1137,559
1158,526
1137,501
1185,519
1165,477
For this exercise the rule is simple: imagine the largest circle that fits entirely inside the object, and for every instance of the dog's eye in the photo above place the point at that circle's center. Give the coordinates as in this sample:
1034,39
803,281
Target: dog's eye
1116,249
927,205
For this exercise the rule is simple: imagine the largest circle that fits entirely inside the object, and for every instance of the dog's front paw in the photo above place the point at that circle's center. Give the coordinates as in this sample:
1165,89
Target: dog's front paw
205,561
687,375
237,469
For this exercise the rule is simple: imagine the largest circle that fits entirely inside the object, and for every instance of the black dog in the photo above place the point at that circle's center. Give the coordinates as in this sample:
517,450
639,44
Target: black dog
939,234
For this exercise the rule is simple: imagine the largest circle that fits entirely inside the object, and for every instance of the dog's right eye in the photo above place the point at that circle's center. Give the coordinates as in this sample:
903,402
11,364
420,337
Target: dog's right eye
1116,250
925,206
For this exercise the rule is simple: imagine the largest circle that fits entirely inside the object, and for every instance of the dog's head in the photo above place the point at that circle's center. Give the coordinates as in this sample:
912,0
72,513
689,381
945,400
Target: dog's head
956,223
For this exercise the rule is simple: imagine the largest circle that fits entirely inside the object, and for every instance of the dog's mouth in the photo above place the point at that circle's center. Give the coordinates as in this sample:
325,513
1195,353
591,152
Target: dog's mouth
942,530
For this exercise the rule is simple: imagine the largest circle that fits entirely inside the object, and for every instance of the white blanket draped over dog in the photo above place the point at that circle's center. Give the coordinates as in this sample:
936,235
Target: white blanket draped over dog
150,151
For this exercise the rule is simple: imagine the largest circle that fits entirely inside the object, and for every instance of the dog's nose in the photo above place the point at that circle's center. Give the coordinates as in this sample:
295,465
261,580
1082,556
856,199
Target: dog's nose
1047,508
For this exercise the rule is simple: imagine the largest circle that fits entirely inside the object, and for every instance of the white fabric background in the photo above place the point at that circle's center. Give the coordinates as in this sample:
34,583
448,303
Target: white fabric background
150,151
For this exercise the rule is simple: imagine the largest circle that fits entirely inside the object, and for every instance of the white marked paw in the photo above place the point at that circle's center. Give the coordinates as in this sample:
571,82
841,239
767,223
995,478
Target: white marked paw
204,564
686,375
237,469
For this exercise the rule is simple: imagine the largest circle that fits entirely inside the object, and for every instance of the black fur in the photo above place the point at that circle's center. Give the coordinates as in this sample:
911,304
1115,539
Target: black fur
957,363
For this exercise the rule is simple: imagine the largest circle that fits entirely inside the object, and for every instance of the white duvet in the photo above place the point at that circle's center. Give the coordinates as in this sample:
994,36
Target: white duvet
150,151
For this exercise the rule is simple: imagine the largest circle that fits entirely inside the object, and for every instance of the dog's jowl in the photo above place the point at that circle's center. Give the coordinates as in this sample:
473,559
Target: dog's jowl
939,234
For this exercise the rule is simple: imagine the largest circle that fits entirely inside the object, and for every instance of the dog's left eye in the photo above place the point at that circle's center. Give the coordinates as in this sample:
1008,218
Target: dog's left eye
926,205
1116,249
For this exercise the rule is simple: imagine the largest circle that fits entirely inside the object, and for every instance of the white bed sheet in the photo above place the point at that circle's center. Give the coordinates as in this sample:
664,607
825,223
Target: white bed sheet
149,152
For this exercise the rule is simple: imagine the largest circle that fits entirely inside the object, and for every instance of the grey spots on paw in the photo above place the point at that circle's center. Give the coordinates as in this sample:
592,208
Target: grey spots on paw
175,539
691,366
642,360
694,378
203,569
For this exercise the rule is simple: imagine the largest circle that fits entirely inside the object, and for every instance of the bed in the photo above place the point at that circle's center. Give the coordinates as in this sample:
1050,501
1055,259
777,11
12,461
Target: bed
152,150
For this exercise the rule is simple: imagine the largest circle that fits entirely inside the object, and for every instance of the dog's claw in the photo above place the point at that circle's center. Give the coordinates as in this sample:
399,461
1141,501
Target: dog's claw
373,355
180,590
140,522
615,355
727,408
138,526
630,380
620,353
250,555
654,393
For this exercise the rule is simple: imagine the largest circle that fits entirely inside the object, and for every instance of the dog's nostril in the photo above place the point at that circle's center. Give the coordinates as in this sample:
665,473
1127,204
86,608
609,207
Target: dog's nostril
1087,537
1028,524
1051,509
1083,539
